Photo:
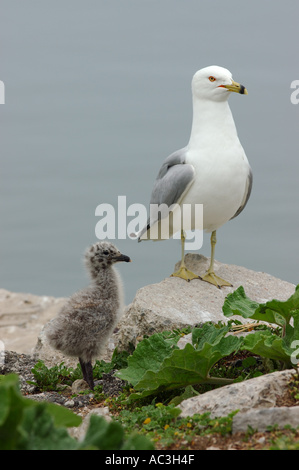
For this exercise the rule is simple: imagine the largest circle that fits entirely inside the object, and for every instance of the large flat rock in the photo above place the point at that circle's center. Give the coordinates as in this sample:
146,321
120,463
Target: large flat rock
257,393
175,303
22,317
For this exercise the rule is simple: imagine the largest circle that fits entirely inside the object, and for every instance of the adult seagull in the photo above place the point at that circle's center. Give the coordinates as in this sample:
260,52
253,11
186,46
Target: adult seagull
212,169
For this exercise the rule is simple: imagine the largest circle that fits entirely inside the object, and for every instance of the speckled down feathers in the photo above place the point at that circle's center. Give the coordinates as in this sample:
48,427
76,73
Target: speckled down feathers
83,326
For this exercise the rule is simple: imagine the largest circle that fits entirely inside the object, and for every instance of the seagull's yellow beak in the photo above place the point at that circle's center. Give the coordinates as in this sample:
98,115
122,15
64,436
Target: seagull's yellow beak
236,87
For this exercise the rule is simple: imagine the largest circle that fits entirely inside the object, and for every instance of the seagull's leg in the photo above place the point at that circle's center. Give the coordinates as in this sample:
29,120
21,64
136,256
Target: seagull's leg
210,276
87,372
183,272
82,364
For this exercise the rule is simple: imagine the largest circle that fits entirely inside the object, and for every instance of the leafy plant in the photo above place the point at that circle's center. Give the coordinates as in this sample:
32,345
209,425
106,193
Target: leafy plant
158,364
29,425
163,424
102,435
274,311
280,313
26,424
54,378
118,361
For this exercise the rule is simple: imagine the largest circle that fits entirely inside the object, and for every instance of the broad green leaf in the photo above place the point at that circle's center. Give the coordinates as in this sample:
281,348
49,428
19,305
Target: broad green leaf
280,309
148,356
27,424
266,344
4,404
12,408
237,303
62,416
102,435
137,442
38,431
189,392
273,311
209,333
186,366
291,336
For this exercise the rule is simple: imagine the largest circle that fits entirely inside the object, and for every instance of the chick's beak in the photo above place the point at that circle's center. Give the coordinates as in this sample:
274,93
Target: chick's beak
236,87
122,257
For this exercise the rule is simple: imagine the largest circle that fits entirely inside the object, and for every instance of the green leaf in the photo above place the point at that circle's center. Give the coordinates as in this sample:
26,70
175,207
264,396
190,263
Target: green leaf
62,416
12,405
188,366
266,344
282,311
237,303
273,311
137,442
38,431
27,424
102,435
209,333
148,356
291,335
189,392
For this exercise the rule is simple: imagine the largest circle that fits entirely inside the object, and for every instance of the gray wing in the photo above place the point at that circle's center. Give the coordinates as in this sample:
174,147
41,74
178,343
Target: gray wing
174,178
247,193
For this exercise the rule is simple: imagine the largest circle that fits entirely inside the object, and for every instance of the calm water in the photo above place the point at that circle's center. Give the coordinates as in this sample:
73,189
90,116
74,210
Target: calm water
98,94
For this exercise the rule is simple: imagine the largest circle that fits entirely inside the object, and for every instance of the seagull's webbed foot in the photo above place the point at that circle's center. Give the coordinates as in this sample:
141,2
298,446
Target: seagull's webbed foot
217,281
185,273
87,372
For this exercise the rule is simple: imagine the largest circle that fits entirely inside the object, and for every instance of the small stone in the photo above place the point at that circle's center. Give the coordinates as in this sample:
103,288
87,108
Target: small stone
69,404
79,385
262,419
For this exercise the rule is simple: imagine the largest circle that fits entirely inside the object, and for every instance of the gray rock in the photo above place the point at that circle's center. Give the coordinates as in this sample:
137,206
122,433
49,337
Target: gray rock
69,404
80,431
175,303
22,317
261,419
260,392
78,386
20,364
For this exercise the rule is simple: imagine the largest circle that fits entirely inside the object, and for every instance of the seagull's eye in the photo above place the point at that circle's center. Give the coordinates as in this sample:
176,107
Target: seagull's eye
212,79
106,252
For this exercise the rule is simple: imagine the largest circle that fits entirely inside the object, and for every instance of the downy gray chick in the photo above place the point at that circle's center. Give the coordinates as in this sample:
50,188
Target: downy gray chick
83,326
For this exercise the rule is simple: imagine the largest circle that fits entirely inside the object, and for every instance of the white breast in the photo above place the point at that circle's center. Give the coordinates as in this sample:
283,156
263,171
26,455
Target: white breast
220,182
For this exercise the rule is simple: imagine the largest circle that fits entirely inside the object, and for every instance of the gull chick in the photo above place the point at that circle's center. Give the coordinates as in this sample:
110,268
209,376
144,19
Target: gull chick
85,323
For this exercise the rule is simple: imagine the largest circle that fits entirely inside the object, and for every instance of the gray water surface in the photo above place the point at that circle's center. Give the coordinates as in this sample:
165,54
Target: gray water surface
98,94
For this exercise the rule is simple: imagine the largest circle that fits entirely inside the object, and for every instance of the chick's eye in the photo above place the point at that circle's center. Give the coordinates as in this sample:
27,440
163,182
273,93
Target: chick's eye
212,79
105,252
